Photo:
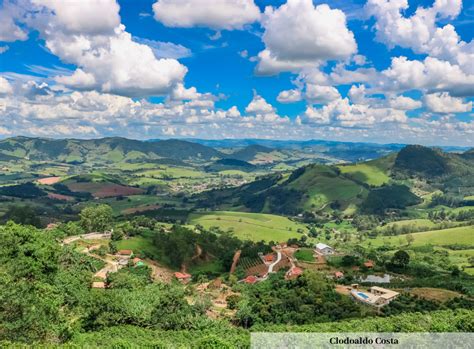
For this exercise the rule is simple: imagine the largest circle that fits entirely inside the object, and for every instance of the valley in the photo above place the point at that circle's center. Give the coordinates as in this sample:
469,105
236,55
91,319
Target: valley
241,235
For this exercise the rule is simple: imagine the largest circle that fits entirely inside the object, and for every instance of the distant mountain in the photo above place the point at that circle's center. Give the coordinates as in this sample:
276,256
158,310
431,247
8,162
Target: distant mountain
104,150
250,152
375,186
230,164
416,159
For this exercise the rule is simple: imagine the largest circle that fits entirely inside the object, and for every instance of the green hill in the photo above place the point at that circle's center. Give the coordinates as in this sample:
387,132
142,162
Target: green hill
111,149
250,152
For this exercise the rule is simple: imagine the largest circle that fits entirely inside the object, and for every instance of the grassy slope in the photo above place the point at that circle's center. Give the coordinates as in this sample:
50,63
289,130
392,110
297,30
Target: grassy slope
375,172
459,235
322,185
252,226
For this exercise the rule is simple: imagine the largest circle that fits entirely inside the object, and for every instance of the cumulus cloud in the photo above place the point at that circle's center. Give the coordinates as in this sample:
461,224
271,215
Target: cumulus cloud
298,33
420,32
404,103
108,59
431,74
5,86
289,96
9,29
217,14
90,17
321,94
341,112
444,103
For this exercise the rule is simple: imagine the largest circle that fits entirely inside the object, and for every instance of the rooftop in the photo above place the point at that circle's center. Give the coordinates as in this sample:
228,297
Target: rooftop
321,246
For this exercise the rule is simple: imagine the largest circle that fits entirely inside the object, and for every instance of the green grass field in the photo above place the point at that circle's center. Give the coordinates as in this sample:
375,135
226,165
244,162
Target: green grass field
458,235
305,255
460,258
139,245
251,226
366,173
417,223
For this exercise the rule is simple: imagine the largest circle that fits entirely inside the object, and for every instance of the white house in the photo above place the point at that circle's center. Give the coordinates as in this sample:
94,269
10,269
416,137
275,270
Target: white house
324,249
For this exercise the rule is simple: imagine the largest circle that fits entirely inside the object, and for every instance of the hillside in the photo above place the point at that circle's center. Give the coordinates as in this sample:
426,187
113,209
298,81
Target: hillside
102,150
393,182
250,152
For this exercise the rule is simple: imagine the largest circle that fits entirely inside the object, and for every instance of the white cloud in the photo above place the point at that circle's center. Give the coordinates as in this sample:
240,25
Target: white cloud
404,103
342,113
90,17
165,49
289,96
9,30
444,103
321,94
297,34
431,74
216,14
3,49
5,86
258,105
420,31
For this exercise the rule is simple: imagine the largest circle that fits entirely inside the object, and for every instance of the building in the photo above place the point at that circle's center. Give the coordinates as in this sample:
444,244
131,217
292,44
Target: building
251,279
268,258
324,249
369,264
377,296
182,277
125,253
294,272
338,274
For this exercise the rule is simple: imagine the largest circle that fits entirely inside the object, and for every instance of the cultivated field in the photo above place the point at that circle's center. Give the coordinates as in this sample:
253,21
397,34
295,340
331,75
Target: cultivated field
251,226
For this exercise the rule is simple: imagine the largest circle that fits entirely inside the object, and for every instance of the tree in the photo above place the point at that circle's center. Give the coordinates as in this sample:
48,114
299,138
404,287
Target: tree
96,218
401,259
410,239
23,215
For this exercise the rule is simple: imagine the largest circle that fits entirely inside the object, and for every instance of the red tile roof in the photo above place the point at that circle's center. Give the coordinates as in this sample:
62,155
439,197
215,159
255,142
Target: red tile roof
268,257
125,252
369,264
339,274
251,279
296,271
181,276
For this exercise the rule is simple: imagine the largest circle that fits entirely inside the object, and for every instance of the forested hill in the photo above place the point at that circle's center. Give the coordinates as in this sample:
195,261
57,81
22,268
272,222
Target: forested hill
391,182
107,149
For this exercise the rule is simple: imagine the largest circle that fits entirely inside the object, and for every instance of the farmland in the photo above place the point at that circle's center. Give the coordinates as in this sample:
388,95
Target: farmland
252,226
458,235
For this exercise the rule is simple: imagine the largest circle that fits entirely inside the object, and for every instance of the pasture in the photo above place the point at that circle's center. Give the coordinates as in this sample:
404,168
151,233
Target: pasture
250,226
451,236
366,173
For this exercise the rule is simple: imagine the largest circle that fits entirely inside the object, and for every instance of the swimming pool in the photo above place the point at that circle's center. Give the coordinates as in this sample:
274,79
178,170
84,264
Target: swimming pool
362,295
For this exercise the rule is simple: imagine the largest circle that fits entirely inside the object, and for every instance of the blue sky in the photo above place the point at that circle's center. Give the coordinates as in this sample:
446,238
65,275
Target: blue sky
376,70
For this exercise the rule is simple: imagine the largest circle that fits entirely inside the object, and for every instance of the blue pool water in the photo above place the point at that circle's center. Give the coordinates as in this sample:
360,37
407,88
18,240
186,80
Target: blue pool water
363,295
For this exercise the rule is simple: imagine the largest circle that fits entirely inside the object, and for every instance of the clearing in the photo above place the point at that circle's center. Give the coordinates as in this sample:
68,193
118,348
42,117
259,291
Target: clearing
251,226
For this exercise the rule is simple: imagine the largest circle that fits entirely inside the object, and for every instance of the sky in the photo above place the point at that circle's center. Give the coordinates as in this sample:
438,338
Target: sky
383,71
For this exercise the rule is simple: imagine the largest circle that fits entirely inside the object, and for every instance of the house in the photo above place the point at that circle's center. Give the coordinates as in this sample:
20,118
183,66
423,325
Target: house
182,277
251,279
137,262
125,253
324,249
51,226
377,296
98,284
268,258
369,264
338,274
294,272
385,294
